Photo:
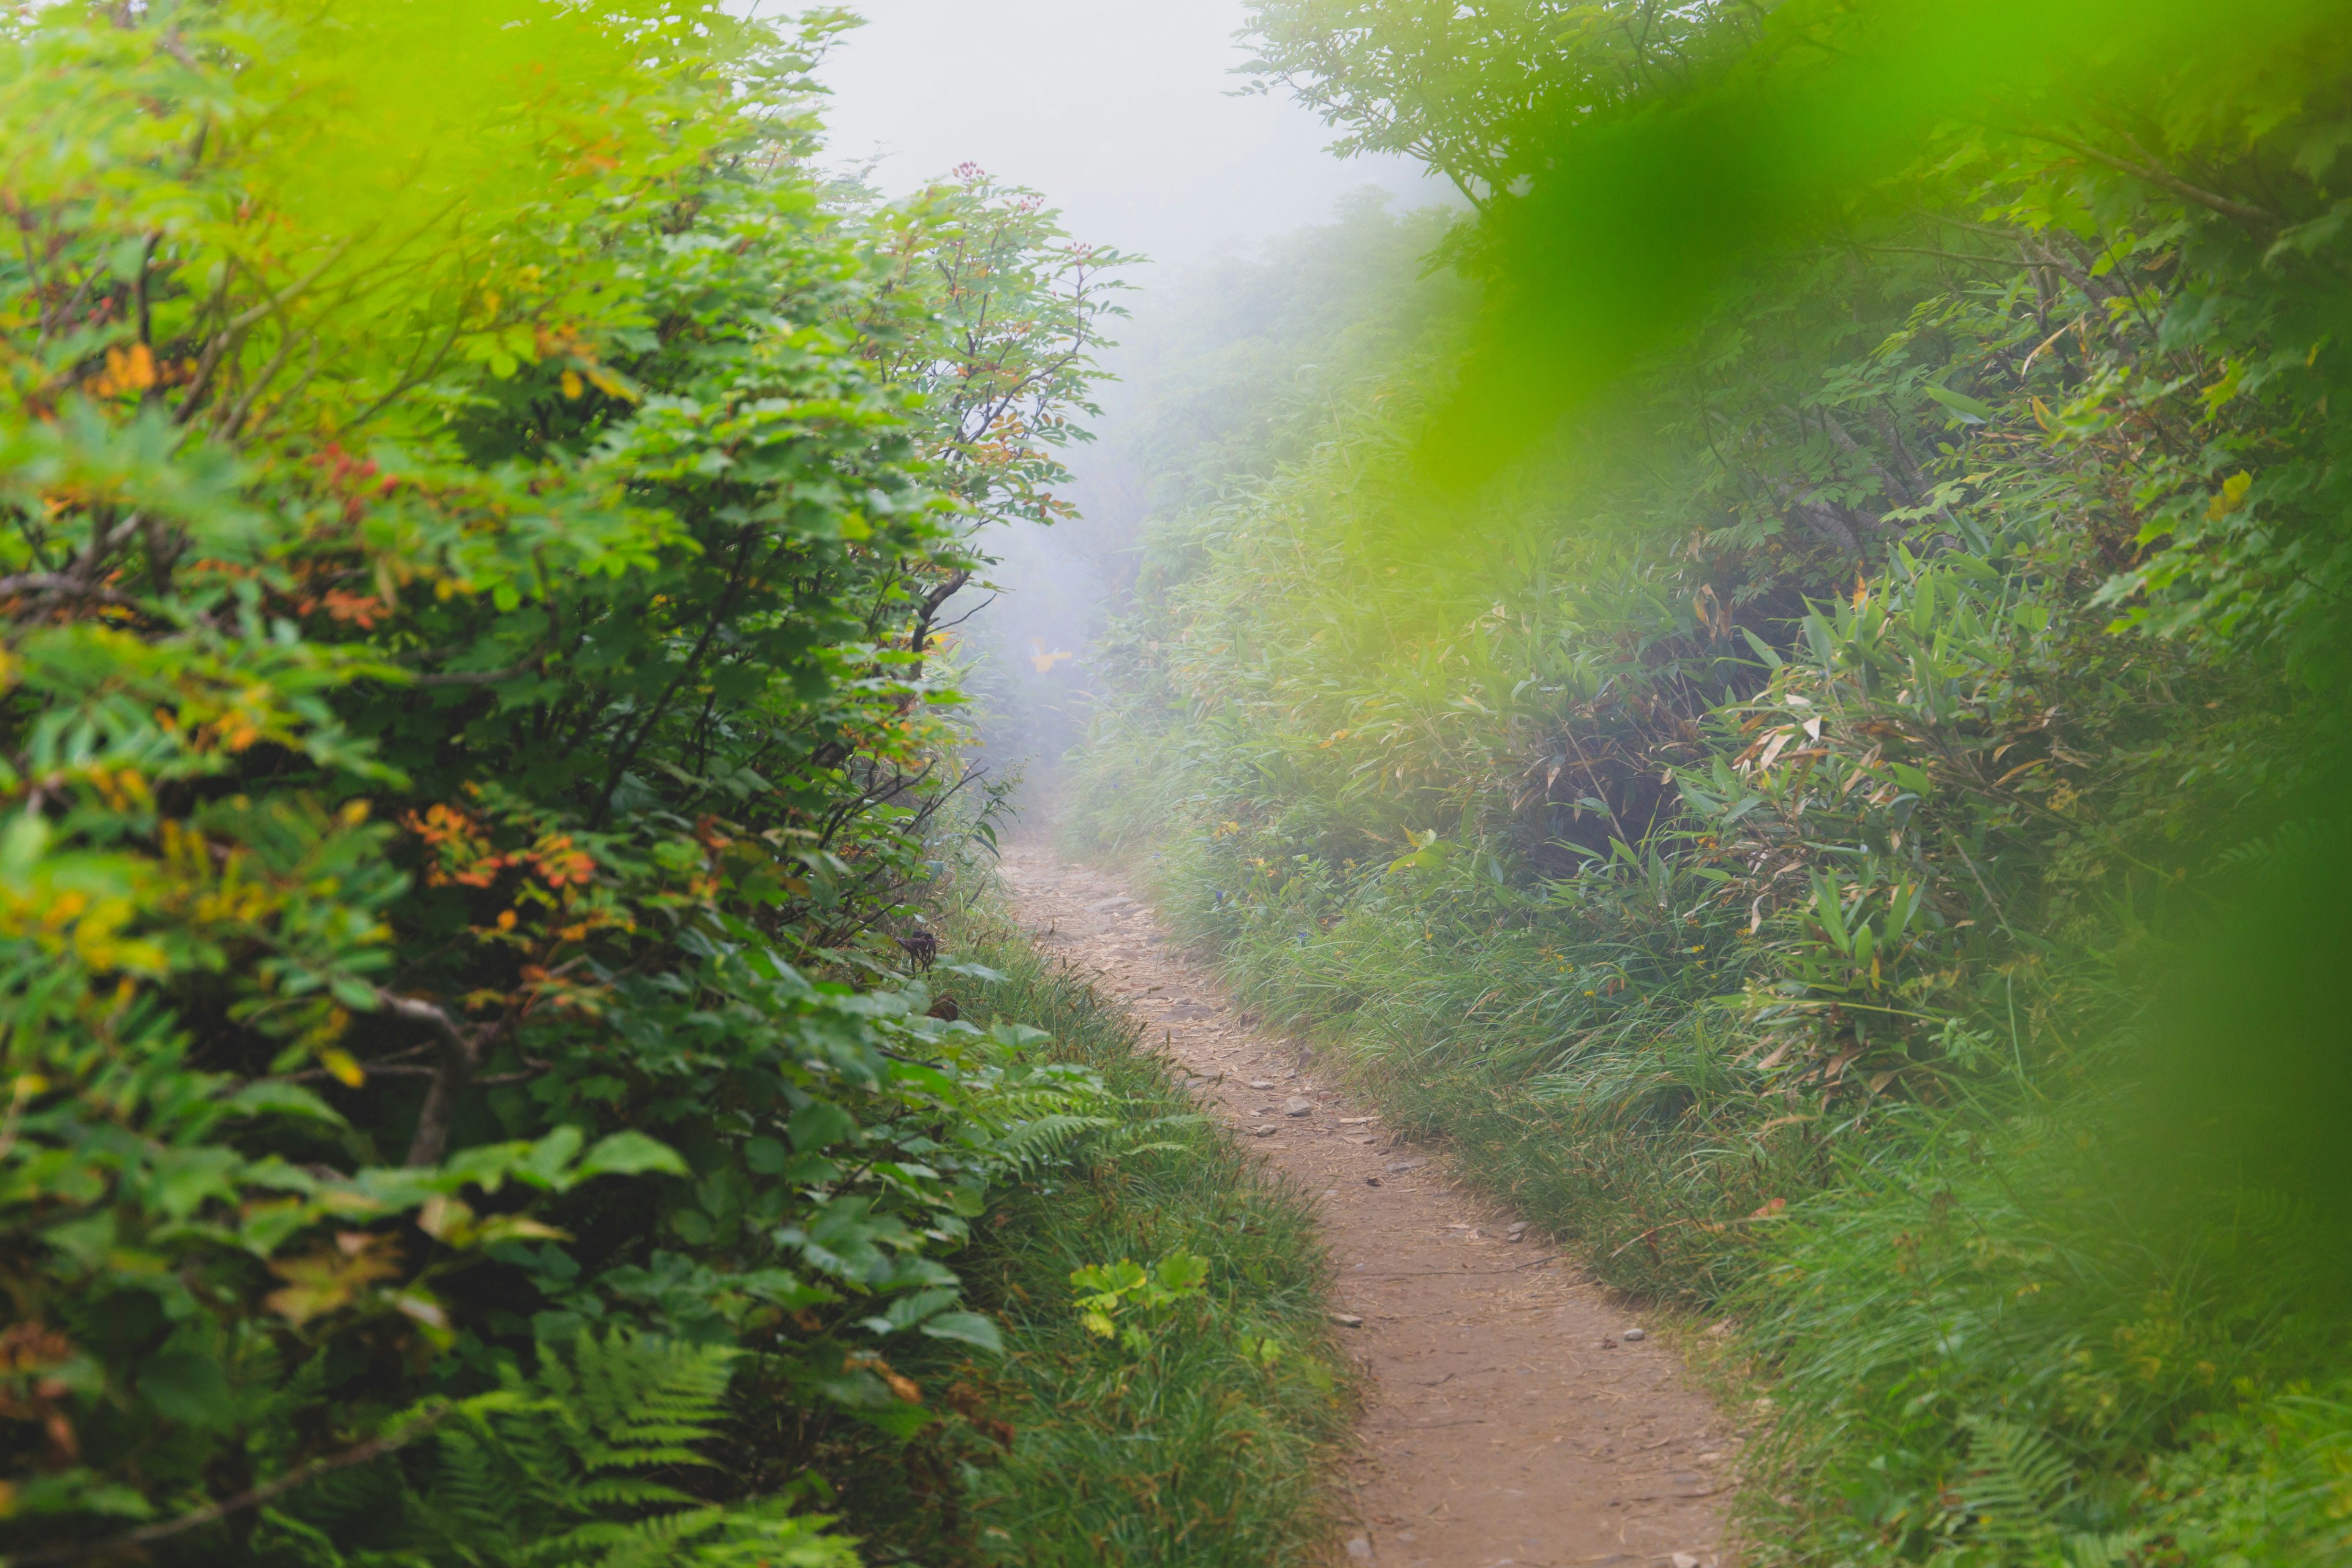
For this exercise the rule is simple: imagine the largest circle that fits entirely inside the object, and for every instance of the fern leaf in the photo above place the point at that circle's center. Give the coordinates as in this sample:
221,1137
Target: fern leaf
2016,1482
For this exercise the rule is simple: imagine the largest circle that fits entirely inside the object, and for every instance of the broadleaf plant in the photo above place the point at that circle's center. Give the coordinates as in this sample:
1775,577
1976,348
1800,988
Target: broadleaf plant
472,508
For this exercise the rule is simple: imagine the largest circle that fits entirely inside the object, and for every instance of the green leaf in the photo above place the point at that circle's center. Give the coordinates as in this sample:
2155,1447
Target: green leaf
352,993
966,1328
543,1165
629,1154
184,1385
266,1098
1182,1271
22,844
1830,912
819,1125
1973,411
185,1178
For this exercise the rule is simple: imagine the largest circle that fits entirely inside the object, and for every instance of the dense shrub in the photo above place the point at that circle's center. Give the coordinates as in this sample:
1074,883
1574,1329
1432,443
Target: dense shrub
473,521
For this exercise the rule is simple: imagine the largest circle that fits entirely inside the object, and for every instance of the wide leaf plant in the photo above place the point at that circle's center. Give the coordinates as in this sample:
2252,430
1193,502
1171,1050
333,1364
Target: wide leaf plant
469,543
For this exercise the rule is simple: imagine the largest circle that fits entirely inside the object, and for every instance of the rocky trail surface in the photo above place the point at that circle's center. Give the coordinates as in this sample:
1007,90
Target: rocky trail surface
1517,1413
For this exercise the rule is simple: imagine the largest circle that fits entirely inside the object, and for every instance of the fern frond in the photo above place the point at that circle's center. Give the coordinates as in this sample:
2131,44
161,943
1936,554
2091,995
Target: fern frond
2091,1550
2016,1482
620,1492
556,1470
1025,1147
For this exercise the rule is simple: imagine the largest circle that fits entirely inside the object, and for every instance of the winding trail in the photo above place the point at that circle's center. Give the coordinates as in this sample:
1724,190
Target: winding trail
1509,1420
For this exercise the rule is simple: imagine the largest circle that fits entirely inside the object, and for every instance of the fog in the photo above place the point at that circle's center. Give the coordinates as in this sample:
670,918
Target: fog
1121,111
1125,114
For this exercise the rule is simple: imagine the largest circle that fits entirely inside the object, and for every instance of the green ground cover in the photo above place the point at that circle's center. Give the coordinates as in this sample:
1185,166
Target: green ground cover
1214,1442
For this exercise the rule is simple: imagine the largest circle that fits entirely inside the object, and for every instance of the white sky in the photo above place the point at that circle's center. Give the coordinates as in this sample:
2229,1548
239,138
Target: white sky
1116,109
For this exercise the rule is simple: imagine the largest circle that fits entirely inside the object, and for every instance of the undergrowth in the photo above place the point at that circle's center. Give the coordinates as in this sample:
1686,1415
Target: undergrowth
1956,1341
471,730
1212,1446
1787,828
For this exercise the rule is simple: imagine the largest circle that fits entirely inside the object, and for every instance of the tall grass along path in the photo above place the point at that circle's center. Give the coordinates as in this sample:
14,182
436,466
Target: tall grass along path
1508,1416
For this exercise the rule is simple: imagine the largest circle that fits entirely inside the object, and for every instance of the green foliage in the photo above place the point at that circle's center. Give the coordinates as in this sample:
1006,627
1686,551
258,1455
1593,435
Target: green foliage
1220,1444
1459,87
1130,1304
567,1467
1766,824
2264,1484
473,521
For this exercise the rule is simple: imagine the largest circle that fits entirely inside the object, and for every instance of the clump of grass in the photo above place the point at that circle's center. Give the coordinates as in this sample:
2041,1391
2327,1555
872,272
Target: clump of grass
1974,1344
1215,1445
1588,1082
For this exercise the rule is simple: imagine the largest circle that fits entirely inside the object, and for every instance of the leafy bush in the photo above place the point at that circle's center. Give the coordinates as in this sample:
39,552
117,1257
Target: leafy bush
473,524
1143,1297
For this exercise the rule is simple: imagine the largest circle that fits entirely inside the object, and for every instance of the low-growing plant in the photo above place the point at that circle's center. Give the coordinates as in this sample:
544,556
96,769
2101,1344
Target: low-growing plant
1132,1304
1221,1441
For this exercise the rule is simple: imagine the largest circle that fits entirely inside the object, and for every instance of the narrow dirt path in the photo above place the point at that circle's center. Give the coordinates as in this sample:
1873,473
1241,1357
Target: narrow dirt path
1512,1419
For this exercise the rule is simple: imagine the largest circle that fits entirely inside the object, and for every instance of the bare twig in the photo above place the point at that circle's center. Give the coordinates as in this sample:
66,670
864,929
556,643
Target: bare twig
461,1054
478,676
57,585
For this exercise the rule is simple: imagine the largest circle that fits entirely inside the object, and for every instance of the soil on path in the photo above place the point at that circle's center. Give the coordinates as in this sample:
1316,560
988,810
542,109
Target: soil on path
1509,1419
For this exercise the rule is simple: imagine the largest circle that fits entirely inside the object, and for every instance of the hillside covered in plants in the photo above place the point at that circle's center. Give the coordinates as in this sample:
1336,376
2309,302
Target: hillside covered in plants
486,843
1779,682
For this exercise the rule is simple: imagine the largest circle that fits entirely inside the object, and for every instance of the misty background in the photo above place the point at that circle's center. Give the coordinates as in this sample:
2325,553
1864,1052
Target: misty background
1127,116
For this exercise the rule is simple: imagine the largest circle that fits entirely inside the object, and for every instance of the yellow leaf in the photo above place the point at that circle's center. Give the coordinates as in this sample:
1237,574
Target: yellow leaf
2233,497
445,1219
332,1276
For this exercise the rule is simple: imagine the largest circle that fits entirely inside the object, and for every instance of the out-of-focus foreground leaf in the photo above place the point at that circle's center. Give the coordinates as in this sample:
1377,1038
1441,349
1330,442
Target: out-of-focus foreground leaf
1630,219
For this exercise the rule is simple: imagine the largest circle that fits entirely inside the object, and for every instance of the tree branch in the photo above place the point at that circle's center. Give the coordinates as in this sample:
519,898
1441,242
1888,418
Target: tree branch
2164,179
373,1448
461,1053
